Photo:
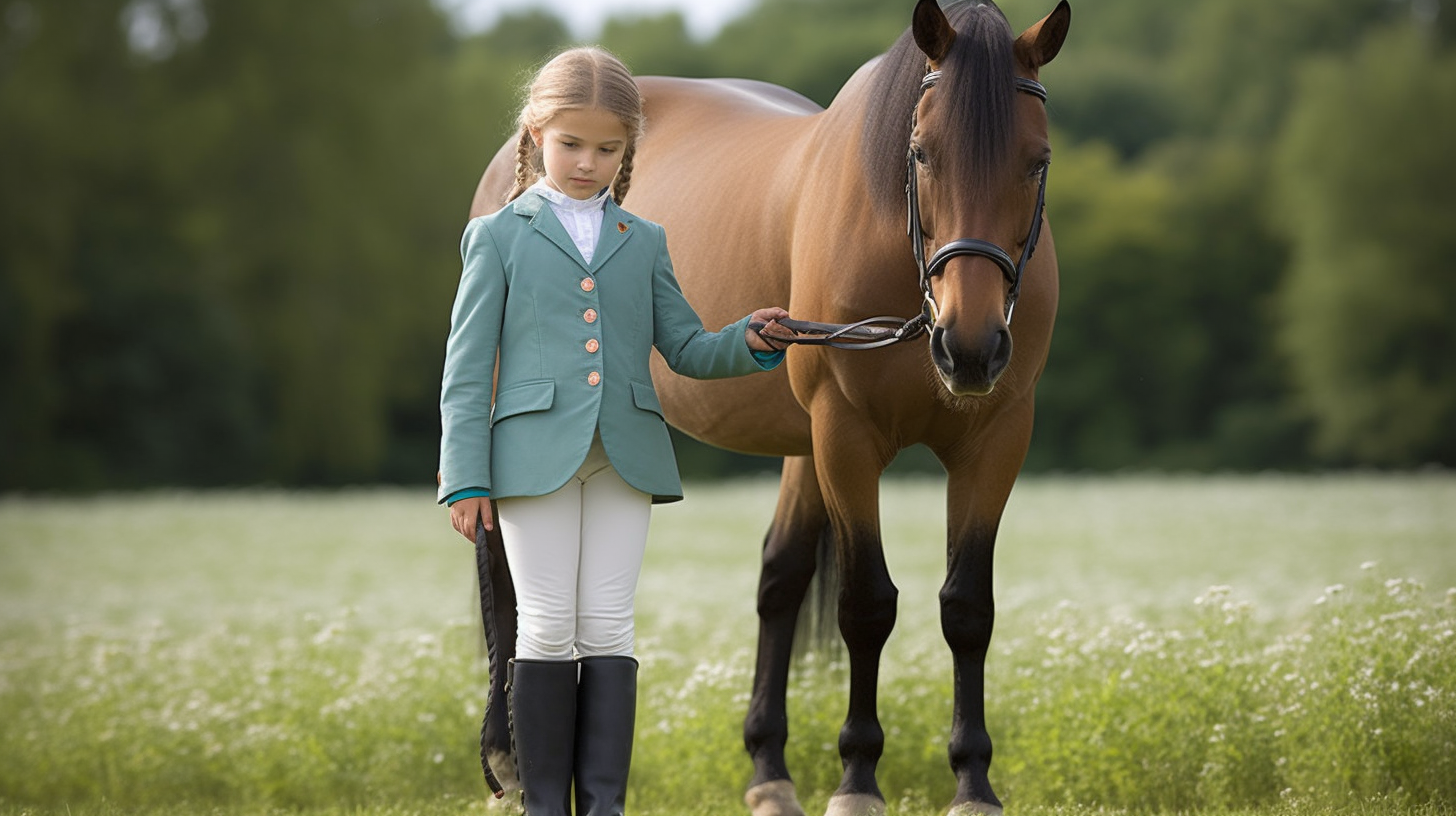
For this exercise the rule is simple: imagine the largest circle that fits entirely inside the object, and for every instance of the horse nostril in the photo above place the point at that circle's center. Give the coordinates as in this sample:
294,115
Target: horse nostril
939,353
1000,355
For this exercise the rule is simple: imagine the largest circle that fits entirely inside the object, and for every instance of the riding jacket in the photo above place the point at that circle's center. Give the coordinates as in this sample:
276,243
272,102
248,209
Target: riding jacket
573,341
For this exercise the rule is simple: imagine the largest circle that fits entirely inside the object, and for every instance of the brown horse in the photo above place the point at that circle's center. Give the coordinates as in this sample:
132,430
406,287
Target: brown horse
768,198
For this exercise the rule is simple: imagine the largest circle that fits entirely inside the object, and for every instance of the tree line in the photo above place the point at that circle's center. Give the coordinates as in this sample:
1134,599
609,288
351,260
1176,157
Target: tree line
229,232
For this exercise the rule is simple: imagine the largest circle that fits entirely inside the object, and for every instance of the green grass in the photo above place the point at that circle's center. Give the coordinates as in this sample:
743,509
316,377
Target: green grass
1266,645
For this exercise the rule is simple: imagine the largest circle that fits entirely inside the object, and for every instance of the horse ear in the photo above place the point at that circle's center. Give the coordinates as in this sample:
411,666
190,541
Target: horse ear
933,32
1039,44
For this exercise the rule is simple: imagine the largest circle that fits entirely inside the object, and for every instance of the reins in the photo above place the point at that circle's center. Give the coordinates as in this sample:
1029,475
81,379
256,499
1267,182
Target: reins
876,332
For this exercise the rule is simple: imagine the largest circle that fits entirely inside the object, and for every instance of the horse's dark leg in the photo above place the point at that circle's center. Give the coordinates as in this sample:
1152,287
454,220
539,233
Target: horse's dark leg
788,566
850,462
976,495
498,615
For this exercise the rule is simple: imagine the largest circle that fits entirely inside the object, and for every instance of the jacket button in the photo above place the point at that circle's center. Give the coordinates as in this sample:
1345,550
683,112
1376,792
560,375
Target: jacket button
593,378
592,345
587,284
590,316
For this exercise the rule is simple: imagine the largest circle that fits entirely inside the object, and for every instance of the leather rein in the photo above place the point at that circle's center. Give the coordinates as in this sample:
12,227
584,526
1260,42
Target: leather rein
875,332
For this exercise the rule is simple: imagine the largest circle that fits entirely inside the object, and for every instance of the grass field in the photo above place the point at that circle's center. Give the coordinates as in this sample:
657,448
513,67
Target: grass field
1243,646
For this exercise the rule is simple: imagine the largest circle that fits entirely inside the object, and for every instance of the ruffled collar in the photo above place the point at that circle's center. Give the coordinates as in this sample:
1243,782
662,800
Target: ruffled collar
563,201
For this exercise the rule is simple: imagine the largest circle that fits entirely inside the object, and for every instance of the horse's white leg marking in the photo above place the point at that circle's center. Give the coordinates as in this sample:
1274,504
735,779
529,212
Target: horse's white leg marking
855,804
774,798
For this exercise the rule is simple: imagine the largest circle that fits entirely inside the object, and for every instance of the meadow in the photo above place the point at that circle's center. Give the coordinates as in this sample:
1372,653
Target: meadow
1241,646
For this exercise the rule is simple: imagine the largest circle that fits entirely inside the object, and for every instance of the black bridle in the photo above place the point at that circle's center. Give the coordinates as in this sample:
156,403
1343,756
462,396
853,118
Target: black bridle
883,331
969,246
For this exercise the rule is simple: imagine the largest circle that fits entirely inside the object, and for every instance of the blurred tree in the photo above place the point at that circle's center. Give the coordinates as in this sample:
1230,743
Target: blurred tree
811,46
1236,59
114,370
229,232
215,253
1160,357
1364,178
525,37
656,45
1113,97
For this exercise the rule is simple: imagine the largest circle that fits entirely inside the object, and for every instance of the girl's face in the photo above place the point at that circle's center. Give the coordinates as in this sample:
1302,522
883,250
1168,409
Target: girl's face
582,149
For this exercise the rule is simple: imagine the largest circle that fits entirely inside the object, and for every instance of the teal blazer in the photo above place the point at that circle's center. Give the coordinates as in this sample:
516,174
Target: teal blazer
574,342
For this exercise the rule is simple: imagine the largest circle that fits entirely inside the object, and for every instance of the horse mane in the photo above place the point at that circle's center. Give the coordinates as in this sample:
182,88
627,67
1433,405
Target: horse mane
976,89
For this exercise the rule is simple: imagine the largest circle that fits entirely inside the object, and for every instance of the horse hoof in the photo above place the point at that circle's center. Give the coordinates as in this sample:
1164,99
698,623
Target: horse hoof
775,798
975,809
855,804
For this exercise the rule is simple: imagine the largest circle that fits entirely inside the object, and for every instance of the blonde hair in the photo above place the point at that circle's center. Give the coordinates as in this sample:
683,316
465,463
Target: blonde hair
580,78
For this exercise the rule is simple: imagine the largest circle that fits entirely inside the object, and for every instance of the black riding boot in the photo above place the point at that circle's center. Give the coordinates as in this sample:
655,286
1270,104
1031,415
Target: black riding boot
543,727
606,713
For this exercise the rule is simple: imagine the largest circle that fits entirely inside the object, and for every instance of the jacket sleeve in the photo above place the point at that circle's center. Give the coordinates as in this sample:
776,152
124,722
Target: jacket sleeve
470,354
678,332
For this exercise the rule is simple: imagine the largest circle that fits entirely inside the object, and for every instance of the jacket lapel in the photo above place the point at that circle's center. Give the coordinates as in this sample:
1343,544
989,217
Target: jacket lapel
545,222
617,227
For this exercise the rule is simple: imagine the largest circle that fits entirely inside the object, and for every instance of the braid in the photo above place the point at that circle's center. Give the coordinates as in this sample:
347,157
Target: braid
623,180
525,165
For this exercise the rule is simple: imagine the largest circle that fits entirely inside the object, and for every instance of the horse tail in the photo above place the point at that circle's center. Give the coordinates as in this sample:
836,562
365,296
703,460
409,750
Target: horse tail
817,629
493,579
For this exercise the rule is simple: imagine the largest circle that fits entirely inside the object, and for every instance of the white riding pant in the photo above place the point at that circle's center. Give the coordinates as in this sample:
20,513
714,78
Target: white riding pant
575,556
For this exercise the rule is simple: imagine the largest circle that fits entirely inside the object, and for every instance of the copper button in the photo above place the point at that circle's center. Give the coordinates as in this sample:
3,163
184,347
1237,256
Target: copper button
593,378
590,316
587,284
592,345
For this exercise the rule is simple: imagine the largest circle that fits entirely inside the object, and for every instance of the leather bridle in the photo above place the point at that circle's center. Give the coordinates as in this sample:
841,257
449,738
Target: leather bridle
875,332
969,246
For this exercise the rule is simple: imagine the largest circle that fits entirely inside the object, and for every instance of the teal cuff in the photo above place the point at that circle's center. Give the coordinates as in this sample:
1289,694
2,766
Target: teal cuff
466,493
767,360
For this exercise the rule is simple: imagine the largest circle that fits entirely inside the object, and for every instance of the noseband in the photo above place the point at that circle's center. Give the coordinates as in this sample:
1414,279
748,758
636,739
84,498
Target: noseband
883,331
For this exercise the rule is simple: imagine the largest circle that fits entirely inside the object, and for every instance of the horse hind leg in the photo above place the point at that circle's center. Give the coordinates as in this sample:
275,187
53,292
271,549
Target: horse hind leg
790,552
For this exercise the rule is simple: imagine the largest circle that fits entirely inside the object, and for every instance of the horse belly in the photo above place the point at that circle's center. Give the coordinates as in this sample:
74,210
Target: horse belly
707,170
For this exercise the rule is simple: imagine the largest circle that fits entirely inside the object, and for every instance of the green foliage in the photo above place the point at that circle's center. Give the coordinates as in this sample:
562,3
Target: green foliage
656,45
174,667
1365,306
228,232
1342,707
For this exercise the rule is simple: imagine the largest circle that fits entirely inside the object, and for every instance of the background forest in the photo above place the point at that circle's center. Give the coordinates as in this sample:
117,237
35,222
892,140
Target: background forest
229,231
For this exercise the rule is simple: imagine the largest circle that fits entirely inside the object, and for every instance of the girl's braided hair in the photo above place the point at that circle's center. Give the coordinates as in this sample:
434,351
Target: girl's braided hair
584,77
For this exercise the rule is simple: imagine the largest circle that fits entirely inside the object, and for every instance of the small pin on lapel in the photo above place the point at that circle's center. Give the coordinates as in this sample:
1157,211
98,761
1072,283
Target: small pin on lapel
621,227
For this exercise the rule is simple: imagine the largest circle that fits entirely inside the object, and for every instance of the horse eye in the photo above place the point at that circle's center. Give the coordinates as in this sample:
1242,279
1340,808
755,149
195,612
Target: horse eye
918,153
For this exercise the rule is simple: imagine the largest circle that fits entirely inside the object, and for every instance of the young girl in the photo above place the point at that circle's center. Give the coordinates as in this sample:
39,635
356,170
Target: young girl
572,293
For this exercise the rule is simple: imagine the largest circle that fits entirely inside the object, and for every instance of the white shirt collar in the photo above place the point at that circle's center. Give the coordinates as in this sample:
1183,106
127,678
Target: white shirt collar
562,201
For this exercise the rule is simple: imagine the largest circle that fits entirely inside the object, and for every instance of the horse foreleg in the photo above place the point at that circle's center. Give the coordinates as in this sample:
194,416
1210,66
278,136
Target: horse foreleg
976,495
967,614
789,555
849,470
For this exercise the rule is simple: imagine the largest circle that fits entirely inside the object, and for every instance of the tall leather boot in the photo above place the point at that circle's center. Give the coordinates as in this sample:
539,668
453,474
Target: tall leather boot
606,715
543,727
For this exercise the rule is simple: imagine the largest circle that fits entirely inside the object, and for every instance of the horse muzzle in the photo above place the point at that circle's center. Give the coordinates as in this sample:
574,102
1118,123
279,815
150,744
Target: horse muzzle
970,366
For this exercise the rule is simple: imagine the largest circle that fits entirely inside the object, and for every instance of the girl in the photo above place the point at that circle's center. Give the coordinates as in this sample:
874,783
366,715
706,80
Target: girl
572,293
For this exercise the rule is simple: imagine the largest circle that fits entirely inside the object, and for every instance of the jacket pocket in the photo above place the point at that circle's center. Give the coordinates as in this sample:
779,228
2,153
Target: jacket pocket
644,397
523,398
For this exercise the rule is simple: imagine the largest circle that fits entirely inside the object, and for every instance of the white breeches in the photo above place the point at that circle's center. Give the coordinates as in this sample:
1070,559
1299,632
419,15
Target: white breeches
575,556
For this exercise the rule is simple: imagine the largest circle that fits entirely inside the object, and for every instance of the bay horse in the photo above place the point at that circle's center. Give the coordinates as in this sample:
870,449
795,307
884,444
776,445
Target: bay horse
769,199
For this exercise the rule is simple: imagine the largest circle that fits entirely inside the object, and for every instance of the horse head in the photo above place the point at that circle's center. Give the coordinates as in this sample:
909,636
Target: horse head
976,166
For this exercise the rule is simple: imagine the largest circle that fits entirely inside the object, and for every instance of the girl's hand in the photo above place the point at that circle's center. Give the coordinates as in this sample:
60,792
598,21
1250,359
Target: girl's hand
464,513
767,320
